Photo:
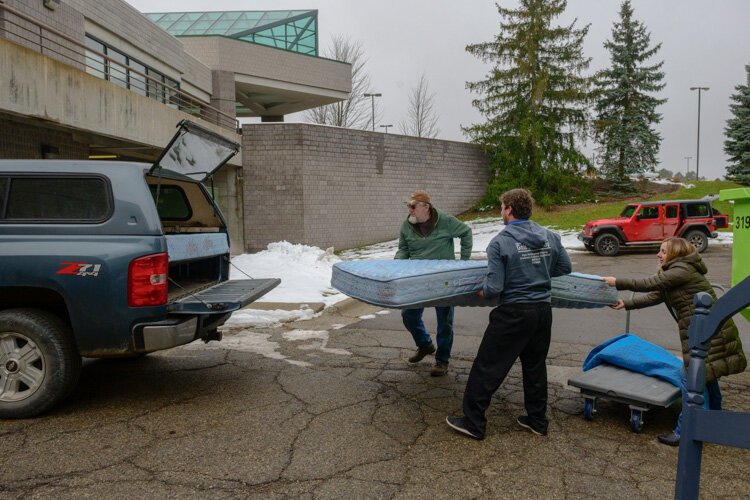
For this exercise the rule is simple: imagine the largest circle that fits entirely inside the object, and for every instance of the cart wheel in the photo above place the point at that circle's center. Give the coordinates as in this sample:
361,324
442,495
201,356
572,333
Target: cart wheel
636,420
588,409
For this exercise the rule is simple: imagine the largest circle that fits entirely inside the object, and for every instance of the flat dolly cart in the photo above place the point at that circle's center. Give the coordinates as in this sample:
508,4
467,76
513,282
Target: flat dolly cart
640,392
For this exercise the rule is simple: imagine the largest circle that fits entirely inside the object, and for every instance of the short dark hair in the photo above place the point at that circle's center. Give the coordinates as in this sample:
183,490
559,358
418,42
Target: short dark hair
520,200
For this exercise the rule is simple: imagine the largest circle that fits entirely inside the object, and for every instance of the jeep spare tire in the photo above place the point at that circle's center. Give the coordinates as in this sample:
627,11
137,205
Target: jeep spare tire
39,362
607,245
698,238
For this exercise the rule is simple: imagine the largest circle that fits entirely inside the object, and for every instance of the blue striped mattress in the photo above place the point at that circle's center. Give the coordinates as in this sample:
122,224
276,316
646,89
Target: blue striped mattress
402,284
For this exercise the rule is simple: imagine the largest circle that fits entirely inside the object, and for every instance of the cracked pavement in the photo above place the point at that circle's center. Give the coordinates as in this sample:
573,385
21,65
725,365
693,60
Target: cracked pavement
335,411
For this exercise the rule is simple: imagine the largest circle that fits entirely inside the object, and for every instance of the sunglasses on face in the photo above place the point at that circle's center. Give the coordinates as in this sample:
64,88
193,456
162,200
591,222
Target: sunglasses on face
412,206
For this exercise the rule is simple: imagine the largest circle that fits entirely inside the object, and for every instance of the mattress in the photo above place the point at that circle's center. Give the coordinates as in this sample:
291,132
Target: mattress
403,284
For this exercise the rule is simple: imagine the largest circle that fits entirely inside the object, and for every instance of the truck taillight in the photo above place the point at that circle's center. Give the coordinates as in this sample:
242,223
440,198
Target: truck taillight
147,280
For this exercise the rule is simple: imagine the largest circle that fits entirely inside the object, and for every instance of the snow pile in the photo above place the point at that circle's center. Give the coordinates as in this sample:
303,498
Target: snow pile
305,271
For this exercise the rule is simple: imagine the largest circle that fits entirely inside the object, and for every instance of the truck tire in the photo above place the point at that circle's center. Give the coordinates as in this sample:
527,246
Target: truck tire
607,245
698,238
39,362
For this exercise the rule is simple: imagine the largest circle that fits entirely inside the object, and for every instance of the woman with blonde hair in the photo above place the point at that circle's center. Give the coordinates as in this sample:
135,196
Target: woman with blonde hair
682,274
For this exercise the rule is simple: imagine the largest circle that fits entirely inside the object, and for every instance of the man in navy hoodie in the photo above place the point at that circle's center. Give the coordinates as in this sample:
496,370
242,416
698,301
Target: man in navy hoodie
522,259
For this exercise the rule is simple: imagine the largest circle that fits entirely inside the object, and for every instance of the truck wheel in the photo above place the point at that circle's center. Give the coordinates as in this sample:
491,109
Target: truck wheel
698,239
39,362
607,245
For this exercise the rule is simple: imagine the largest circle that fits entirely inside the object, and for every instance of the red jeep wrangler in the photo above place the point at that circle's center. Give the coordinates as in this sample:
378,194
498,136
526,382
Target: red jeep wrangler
650,222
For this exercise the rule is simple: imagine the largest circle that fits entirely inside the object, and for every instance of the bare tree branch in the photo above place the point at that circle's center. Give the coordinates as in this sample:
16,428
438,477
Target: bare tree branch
421,119
353,112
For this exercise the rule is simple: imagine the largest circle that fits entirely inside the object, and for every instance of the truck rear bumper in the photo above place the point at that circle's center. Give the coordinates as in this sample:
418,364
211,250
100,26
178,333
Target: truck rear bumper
174,331
165,334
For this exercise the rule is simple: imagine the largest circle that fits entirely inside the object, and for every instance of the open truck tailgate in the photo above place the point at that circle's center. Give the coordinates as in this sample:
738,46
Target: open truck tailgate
224,297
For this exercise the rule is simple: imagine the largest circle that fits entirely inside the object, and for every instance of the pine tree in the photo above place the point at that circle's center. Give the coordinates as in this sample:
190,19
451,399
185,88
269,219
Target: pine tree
737,131
626,112
534,99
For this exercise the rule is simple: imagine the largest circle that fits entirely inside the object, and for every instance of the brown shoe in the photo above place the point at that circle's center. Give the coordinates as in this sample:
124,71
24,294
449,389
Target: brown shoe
421,353
439,369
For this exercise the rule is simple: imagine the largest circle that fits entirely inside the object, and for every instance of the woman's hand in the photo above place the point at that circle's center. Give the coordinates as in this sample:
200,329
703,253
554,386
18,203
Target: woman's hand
610,280
620,304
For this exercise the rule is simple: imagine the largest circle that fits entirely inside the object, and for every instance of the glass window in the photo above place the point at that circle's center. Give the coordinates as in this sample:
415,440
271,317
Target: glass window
137,81
155,86
117,68
3,192
697,210
172,203
671,211
650,212
171,97
58,199
628,211
94,62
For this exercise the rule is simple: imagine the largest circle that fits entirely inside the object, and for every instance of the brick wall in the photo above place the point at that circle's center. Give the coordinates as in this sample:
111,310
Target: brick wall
64,19
24,141
124,20
327,186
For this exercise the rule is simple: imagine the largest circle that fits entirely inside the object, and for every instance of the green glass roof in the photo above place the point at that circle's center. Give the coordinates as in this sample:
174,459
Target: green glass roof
295,30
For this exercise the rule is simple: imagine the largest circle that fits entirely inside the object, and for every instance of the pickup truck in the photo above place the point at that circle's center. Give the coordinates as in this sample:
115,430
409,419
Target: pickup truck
109,259
648,223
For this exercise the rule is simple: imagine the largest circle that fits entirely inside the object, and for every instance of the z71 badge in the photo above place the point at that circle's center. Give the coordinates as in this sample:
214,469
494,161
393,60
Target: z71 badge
79,268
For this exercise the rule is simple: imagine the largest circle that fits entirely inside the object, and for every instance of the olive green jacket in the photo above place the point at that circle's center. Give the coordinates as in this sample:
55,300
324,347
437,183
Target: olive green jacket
676,284
439,243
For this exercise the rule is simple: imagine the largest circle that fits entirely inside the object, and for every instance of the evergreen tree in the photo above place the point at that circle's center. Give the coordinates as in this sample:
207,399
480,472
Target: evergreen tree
534,99
626,113
737,131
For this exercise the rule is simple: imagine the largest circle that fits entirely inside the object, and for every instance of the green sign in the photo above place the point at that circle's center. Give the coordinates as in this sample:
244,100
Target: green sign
741,245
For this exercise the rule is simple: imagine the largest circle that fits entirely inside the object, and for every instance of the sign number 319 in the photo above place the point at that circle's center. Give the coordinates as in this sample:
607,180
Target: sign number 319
742,222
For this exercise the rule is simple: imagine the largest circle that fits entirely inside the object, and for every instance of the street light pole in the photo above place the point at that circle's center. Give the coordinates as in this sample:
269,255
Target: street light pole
386,127
698,147
687,172
373,96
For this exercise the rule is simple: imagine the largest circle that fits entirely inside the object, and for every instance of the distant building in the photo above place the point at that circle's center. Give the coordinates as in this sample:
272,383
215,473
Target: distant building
98,79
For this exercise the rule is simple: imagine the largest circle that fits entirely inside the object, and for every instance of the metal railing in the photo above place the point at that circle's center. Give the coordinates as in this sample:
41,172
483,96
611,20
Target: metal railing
19,28
699,424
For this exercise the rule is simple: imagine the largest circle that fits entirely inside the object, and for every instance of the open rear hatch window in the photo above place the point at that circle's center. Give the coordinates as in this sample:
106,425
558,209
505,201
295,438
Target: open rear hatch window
195,152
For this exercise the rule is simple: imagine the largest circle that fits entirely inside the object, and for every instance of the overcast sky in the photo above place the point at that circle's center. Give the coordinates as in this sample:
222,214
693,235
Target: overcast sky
704,43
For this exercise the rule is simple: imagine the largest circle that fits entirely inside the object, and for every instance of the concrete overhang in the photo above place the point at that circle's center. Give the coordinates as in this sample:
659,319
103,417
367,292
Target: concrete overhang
44,92
269,81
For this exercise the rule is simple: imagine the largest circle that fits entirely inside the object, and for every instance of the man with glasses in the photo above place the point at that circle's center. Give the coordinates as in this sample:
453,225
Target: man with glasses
428,233
522,259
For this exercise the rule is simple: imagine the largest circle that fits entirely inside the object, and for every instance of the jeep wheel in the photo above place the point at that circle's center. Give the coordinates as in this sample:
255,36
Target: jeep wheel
698,239
39,362
607,245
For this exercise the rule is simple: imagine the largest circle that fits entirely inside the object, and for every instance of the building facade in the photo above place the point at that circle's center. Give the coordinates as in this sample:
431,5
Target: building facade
98,79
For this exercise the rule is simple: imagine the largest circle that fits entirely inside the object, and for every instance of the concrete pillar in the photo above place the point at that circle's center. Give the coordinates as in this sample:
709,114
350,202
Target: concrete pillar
223,91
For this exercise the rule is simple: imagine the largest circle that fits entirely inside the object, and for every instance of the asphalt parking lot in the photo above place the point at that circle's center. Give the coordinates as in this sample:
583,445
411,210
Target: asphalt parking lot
329,408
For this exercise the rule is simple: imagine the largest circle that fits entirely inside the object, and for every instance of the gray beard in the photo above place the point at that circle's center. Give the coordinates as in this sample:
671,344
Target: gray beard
412,219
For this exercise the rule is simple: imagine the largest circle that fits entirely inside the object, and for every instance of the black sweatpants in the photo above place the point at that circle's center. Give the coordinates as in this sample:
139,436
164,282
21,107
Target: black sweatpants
515,330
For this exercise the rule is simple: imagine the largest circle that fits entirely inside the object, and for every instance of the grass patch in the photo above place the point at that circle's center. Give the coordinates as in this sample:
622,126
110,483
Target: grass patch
575,216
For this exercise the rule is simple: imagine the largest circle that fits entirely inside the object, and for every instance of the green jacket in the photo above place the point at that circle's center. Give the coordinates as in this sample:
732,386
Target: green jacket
676,285
438,244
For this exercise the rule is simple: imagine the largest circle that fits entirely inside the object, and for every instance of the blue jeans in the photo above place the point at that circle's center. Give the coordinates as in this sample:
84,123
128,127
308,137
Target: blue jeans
413,322
711,397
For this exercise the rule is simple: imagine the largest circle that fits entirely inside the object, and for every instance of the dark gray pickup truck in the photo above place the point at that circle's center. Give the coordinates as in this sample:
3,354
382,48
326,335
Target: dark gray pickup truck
103,259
